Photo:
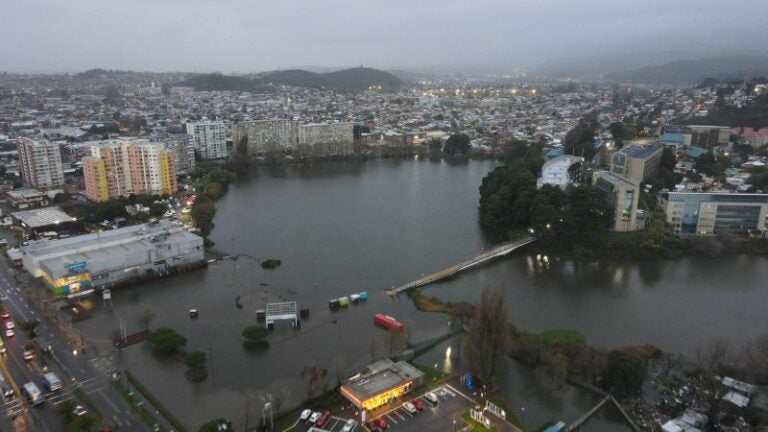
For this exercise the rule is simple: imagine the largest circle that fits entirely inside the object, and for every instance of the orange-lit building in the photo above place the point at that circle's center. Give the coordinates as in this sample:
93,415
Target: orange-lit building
381,382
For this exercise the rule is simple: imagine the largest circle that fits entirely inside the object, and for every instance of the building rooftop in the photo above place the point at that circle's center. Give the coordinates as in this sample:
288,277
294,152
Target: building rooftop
42,217
640,151
381,376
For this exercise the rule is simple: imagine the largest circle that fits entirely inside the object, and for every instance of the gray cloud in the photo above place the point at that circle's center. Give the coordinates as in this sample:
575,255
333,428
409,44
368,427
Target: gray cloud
249,35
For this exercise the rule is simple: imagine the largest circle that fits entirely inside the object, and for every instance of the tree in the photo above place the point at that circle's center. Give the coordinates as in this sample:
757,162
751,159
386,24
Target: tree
196,359
578,141
255,333
396,341
716,357
157,209
314,380
457,144
488,338
339,368
166,340
146,317
30,328
82,423
625,373
755,358
500,192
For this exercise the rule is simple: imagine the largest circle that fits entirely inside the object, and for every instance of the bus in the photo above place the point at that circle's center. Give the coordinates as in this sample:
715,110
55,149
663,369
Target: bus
52,382
34,394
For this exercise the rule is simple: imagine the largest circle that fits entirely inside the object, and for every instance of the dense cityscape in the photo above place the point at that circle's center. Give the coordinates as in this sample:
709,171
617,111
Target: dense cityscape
337,249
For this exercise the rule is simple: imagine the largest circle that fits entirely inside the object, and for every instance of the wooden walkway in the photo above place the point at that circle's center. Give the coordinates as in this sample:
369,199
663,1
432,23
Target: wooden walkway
496,252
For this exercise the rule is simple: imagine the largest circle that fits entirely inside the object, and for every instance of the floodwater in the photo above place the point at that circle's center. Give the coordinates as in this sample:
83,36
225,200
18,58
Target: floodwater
345,227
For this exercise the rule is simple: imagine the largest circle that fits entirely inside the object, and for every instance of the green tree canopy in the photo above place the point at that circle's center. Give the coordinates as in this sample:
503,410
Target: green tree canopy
196,359
457,144
254,333
166,340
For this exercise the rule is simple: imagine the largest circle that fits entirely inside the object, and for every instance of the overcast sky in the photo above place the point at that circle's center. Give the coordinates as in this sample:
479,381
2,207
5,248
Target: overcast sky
256,35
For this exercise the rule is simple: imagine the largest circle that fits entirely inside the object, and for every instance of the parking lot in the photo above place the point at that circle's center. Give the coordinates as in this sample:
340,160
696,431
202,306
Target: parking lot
440,417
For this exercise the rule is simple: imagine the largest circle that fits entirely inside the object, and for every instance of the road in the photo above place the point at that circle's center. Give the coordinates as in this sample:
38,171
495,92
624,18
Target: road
74,368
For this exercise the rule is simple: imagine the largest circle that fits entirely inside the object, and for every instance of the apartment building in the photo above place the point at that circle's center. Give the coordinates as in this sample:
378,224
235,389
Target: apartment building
126,166
40,163
637,163
262,136
208,138
623,195
313,139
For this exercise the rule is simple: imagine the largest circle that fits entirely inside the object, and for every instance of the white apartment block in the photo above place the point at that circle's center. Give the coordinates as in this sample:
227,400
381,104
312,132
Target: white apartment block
40,163
208,138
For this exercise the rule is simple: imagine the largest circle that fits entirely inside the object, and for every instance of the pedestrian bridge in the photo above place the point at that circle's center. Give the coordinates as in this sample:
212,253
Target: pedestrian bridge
498,251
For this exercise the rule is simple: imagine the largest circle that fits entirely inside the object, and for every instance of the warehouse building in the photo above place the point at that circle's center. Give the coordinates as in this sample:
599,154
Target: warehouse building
76,265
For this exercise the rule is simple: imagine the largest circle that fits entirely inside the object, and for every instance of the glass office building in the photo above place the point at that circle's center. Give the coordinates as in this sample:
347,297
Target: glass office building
714,213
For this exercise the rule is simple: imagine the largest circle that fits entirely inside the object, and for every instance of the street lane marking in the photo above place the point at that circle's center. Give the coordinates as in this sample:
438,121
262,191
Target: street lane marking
109,401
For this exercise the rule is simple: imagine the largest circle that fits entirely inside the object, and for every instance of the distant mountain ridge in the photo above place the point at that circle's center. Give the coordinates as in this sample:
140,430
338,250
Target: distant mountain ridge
694,71
353,79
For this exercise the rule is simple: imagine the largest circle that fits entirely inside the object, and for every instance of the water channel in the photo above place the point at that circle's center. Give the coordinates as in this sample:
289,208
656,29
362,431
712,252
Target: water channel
345,227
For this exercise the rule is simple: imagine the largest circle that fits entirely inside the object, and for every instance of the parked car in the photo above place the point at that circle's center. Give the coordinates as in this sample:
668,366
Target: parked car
305,415
79,411
9,324
431,398
9,333
418,404
348,426
372,427
5,314
380,423
410,408
323,419
315,415
29,355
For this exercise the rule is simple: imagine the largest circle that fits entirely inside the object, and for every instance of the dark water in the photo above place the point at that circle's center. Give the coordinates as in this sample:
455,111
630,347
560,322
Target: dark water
341,228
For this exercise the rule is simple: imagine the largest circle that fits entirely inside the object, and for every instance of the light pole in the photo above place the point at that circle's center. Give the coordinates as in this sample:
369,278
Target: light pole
522,420
454,425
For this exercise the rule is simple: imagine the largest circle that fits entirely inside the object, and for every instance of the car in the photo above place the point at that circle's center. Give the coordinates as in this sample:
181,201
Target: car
323,418
348,426
305,415
315,415
418,404
410,408
9,333
79,411
9,324
372,427
8,392
29,355
105,429
431,398
380,423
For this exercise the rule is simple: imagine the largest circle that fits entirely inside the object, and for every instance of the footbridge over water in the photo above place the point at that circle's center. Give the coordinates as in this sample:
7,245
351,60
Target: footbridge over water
496,252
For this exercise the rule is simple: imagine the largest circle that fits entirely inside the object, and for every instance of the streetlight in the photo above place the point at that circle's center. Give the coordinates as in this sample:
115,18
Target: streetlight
454,425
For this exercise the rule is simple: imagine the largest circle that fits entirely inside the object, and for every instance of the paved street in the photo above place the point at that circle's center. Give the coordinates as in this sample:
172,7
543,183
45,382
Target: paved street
75,369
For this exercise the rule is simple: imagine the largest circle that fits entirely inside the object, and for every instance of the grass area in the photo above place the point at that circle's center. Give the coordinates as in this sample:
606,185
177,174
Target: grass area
160,407
551,337
431,374
476,427
139,410
426,303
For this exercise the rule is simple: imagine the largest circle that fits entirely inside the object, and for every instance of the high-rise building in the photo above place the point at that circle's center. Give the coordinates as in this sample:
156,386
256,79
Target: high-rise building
637,163
126,166
40,162
209,139
262,136
622,195
313,139
184,153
